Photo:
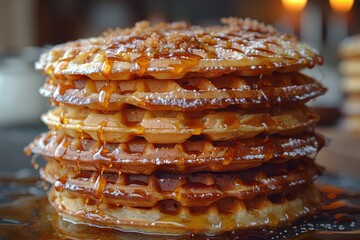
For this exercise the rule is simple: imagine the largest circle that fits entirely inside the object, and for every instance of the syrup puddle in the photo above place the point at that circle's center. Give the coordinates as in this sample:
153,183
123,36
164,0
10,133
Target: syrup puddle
26,214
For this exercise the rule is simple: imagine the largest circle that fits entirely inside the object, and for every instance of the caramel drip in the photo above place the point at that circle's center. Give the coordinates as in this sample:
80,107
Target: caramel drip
34,163
141,65
63,118
60,183
269,149
187,60
100,130
27,150
272,220
101,154
79,129
104,96
61,149
268,122
107,65
57,91
99,186
103,159
227,161
78,168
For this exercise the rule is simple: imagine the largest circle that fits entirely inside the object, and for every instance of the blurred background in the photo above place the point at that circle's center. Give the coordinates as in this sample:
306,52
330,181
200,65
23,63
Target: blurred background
28,27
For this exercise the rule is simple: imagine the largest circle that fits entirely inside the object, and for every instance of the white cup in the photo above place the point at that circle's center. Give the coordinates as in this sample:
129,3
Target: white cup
20,102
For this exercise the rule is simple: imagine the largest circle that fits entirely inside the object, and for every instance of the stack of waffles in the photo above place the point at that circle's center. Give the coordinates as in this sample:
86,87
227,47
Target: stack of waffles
349,52
178,129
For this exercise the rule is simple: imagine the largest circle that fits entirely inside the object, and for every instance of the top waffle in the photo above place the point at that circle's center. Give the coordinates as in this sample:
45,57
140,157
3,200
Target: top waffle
176,50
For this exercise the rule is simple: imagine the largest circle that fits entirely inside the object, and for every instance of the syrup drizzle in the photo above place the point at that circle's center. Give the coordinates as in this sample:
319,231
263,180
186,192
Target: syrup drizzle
99,186
104,96
100,131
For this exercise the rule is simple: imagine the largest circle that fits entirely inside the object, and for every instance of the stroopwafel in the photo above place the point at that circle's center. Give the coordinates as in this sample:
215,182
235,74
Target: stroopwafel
228,214
197,93
177,127
173,51
141,157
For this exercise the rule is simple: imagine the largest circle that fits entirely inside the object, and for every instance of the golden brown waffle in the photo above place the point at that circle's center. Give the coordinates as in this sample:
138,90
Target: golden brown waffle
189,190
141,157
176,127
187,93
168,218
173,51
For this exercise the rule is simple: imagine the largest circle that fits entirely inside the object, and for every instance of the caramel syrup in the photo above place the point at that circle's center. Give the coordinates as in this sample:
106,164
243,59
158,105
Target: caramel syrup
100,130
104,96
26,214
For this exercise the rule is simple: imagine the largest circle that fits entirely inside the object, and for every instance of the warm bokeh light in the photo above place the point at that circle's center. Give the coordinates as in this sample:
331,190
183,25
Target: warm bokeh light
294,5
341,6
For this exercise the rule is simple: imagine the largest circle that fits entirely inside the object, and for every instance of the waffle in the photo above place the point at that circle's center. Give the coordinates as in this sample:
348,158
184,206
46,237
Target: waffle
185,94
168,218
141,157
173,51
350,67
349,51
351,85
176,127
189,190
350,47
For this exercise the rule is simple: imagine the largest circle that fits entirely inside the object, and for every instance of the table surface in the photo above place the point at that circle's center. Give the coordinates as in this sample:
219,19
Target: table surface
342,154
13,139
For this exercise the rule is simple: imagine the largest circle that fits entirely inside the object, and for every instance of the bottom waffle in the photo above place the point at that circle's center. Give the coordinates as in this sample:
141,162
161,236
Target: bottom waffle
166,218
187,190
